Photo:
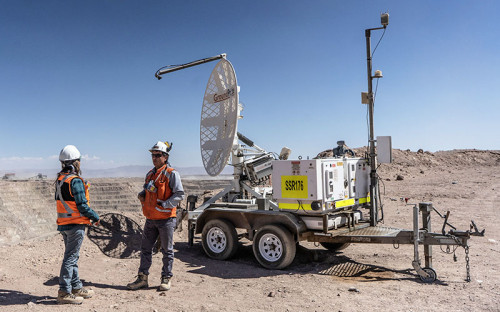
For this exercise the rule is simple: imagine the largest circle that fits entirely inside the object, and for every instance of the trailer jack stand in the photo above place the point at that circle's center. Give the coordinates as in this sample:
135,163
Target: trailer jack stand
426,274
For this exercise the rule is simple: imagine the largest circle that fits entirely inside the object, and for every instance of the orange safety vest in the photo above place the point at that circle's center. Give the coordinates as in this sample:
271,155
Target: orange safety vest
67,212
150,207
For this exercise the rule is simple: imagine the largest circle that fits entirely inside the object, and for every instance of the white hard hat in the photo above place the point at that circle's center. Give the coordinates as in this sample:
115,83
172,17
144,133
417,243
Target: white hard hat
69,152
160,146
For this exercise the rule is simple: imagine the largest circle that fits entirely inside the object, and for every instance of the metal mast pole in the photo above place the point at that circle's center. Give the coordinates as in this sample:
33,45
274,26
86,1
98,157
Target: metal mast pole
384,20
372,155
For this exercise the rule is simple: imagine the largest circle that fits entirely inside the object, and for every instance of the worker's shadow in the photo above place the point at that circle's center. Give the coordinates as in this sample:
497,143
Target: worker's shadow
14,297
307,261
55,281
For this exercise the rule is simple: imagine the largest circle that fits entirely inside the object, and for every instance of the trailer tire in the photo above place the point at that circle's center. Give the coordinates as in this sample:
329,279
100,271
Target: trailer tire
335,246
274,247
219,239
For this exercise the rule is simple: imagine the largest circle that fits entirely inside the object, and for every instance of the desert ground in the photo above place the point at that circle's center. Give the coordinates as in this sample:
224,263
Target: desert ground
362,277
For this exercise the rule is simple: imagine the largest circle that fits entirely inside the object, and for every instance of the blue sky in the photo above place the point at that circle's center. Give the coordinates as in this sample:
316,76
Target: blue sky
82,73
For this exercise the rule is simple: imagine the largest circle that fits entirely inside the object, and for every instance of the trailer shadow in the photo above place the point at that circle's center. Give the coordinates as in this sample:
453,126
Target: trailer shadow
242,265
324,262
307,261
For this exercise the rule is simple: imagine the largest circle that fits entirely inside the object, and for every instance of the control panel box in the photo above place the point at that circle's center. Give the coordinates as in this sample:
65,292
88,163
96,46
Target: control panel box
317,186
357,173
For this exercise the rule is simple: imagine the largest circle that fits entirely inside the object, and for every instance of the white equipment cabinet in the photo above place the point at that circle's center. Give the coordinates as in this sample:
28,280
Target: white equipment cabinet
317,186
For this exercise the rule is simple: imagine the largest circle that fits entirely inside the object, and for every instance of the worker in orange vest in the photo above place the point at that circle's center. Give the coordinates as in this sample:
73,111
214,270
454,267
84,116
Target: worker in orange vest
73,214
162,192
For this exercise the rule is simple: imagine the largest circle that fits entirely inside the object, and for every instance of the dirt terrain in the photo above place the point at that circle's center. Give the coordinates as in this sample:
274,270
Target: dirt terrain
362,277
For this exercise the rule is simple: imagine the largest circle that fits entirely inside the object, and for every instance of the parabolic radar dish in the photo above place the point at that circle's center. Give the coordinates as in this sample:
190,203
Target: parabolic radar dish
219,118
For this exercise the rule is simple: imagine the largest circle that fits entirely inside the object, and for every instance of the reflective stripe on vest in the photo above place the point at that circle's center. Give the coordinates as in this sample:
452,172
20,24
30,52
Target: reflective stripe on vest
61,199
163,209
67,210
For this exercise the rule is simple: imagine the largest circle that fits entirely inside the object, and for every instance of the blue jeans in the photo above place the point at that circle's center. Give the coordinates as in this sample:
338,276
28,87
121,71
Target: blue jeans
68,277
152,229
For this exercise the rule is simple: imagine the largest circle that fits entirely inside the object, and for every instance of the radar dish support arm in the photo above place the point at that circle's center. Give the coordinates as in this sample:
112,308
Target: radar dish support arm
249,142
171,68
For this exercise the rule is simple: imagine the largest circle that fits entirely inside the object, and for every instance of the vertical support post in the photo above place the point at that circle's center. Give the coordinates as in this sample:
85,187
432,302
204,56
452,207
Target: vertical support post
425,209
416,238
373,159
262,203
191,229
190,206
325,223
191,202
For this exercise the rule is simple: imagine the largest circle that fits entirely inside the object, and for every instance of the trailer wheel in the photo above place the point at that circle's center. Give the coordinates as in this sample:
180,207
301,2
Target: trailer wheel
432,275
274,247
335,246
219,239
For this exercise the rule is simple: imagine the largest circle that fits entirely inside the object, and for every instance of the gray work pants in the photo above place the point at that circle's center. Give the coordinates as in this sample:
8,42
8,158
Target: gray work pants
152,229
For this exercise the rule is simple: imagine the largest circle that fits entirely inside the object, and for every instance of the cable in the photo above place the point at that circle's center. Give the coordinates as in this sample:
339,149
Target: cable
375,94
368,127
380,198
299,206
378,42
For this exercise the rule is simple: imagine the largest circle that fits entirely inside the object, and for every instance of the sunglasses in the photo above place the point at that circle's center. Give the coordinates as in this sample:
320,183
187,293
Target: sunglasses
156,155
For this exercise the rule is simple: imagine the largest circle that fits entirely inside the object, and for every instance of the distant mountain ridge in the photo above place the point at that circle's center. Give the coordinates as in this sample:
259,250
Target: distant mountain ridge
118,172
402,158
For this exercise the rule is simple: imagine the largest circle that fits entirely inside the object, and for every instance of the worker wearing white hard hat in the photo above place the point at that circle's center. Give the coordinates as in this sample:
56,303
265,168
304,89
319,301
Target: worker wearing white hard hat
69,154
163,147
73,214
162,193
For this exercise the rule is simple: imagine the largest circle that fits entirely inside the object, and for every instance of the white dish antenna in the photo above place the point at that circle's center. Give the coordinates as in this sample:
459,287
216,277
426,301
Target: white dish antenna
219,118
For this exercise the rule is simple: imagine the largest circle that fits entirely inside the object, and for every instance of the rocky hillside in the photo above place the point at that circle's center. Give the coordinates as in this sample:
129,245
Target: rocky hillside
408,163
27,208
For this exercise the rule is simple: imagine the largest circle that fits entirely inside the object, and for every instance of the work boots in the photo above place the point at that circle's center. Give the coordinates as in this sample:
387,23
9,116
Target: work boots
68,298
140,282
164,284
83,292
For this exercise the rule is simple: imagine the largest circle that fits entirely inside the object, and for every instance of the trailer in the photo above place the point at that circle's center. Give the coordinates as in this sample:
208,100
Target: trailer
275,233
276,202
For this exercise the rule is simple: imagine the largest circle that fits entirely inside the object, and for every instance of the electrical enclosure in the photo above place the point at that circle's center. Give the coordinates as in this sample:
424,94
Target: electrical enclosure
318,186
